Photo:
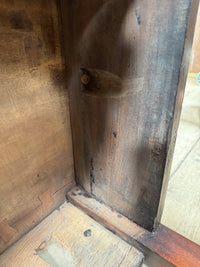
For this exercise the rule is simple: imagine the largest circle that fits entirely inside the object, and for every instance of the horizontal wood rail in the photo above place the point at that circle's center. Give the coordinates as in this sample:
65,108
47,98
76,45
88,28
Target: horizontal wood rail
163,247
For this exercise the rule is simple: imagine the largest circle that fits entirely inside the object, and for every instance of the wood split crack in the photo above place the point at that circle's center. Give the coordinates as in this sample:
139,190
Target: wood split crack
92,180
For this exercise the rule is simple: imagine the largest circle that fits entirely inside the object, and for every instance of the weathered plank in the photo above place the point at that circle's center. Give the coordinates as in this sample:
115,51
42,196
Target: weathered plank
36,161
135,55
69,237
161,248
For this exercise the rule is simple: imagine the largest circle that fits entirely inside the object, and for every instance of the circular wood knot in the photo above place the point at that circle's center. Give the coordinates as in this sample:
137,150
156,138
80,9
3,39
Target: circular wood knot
85,79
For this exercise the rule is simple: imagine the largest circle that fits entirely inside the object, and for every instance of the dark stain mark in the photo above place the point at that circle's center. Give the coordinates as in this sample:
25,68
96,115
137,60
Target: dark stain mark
48,33
73,194
67,199
20,21
77,189
156,153
91,216
38,175
111,230
119,216
87,233
57,74
33,49
85,194
137,17
58,209
92,180
157,149
114,134
100,169
99,200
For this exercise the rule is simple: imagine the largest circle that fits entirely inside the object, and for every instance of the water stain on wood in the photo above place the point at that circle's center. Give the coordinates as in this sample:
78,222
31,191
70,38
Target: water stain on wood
33,49
48,34
20,21
57,74
55,253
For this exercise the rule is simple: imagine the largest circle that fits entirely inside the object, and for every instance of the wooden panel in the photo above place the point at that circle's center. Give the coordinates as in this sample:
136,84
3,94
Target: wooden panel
195,54
36,162
129,62
69,237
161,248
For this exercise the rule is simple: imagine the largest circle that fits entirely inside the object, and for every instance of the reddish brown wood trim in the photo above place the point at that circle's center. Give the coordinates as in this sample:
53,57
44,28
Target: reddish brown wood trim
164,243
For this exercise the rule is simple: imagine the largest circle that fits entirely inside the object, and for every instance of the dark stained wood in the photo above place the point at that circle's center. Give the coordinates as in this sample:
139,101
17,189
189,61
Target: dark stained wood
123,142
36,159
163,247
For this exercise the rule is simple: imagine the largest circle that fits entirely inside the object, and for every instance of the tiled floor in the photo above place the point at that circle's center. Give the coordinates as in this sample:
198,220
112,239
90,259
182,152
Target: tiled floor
182,206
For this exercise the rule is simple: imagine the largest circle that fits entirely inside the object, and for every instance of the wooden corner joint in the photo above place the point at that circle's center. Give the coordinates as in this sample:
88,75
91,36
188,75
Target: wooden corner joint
163,247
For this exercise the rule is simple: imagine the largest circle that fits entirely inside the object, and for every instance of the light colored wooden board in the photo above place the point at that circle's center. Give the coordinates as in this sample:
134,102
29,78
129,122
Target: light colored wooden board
67,228
36,161
163,247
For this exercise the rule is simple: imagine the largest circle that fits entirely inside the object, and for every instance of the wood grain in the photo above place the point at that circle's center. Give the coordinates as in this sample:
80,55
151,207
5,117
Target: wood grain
163,247
36,161
71,233
123,146
195,54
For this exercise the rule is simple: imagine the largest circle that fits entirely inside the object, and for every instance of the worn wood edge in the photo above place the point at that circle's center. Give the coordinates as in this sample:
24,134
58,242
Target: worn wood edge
163,247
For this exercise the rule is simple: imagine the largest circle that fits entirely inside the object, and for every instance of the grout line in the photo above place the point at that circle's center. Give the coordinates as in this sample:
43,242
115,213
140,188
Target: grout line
187,154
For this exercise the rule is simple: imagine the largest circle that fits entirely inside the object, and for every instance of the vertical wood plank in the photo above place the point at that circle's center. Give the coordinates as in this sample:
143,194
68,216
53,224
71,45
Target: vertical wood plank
135,57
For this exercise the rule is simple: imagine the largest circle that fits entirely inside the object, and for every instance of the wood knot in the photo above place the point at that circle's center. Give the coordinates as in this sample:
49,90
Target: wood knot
102,83
85,79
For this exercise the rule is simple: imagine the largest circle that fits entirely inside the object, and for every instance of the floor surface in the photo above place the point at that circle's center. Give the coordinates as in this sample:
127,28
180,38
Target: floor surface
182,206
70,238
